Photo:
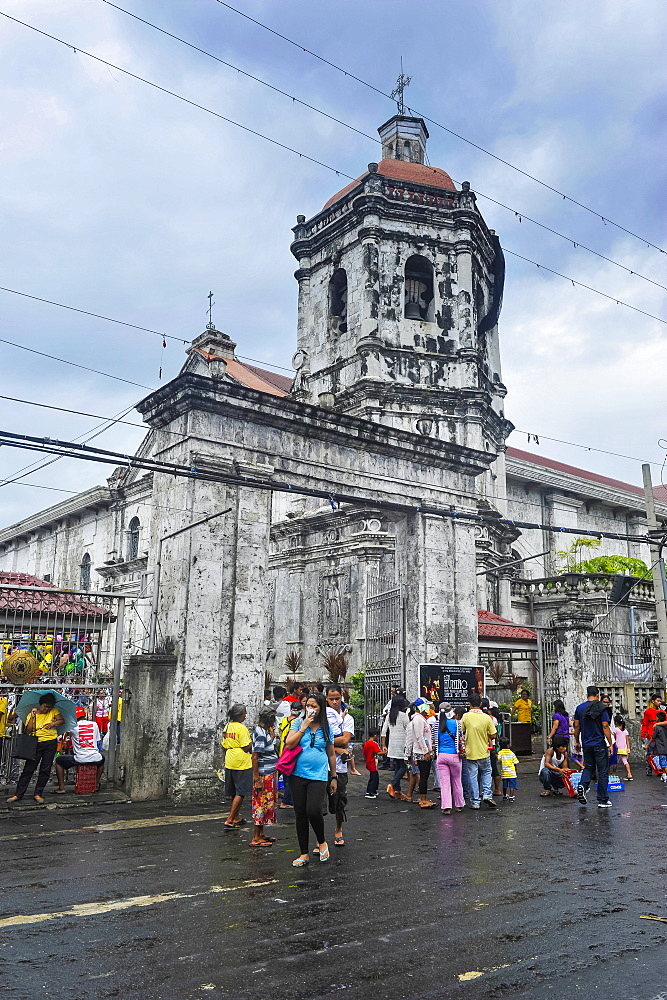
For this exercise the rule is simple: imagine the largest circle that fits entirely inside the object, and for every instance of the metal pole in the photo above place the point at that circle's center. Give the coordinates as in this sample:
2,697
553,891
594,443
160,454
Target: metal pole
152,638
541,689
657,569
117,667
633,635
158,566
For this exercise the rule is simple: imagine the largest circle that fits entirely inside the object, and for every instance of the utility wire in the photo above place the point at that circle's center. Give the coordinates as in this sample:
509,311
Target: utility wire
133,423
581,284
260,135
450,131
120,322
74,364
172,93
333,495
521,216
573,444
243,72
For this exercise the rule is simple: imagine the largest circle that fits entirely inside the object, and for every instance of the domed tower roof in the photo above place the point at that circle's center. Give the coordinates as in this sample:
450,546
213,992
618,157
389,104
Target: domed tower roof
402,170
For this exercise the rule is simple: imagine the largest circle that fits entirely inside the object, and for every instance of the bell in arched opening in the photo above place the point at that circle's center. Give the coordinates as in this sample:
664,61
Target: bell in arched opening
338,300
419,303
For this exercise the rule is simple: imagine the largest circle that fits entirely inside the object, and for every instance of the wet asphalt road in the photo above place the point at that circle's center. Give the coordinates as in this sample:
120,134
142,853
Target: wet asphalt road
542,899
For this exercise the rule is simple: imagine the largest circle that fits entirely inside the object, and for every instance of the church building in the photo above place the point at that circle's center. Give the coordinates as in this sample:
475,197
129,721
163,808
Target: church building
397,405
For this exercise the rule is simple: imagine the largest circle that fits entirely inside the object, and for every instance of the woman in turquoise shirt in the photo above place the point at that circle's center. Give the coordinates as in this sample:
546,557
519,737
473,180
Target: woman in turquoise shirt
308,782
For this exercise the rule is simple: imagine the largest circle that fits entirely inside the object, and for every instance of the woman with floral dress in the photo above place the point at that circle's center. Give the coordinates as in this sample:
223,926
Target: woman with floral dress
264,781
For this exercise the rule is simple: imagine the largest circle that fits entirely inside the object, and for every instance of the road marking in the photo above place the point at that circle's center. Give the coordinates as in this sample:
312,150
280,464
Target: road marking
108,906
663,920
121,824
466,977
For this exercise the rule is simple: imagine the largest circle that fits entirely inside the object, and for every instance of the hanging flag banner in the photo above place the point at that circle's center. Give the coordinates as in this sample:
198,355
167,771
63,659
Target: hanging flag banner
452,682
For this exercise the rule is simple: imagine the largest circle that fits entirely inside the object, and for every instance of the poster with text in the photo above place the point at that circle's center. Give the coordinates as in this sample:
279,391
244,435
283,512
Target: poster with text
452,682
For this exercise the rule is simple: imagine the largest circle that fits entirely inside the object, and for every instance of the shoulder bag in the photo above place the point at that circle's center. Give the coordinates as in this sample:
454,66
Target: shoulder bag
24,746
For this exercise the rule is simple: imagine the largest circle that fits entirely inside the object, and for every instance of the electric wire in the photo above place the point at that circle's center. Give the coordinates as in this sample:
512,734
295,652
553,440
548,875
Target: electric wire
144,427
327,166
373,138
333,494
172,93
605,219
74,364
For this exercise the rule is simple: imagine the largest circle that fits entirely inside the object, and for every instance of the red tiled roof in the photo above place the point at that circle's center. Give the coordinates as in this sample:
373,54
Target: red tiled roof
38,603
254,378
402,170
282,382
572,470
489,627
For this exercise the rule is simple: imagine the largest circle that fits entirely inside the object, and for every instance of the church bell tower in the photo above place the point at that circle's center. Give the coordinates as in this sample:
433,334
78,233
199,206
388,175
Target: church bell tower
400,290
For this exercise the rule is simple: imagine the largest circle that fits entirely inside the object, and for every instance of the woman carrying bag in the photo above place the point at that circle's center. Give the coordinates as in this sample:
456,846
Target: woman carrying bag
314,765
42,723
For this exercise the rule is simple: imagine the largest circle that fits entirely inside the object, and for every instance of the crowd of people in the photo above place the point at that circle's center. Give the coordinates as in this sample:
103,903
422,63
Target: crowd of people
302,746
84,744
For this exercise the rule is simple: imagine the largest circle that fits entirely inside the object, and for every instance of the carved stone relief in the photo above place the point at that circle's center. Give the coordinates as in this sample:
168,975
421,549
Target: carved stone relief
333,613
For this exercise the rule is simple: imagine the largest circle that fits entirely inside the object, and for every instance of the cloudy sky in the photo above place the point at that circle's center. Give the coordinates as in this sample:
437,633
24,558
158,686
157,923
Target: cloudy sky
122,200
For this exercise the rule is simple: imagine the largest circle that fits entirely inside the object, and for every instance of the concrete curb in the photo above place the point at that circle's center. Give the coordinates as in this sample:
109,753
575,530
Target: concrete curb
74,803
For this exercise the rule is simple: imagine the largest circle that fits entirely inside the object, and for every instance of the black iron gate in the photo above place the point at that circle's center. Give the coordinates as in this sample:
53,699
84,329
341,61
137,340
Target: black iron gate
384,653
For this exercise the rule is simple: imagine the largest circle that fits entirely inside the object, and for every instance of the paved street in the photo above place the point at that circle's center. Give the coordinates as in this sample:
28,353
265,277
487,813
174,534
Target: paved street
540,899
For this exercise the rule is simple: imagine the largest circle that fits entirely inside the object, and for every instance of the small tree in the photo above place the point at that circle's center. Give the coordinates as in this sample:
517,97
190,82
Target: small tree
573,562
496,671
293,662
335,665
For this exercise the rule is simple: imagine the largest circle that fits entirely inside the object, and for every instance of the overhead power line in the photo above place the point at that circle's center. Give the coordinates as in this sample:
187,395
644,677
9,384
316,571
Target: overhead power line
119,322
74,364
521,216
260,135
172,93
335,497
605,219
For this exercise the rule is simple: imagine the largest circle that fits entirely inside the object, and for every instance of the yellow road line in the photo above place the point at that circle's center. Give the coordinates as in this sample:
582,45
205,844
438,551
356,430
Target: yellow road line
121,824
107,906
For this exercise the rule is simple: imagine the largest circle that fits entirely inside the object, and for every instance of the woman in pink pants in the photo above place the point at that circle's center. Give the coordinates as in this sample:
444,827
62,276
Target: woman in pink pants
449,764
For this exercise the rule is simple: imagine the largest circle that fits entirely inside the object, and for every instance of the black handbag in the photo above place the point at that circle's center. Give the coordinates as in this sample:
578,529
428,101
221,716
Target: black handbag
24,747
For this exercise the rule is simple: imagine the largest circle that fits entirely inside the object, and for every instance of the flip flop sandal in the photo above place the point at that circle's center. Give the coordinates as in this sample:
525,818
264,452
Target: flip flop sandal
326,856
339,841
300,863
427,805
315,850
262,843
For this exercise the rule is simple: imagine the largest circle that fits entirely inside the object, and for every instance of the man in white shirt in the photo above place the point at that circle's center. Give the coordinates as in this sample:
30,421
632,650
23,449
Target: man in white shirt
85,739
282,706
342,733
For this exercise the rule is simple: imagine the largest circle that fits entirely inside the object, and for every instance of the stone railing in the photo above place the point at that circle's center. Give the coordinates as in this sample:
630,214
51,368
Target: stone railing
573,585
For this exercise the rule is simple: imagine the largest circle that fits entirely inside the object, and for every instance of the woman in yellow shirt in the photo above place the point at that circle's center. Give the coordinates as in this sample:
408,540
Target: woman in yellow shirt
43,723
523,708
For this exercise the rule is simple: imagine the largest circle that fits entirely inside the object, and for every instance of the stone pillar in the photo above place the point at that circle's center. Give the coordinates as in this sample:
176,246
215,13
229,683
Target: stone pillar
436,565
148,696
560,510
575,663
213,608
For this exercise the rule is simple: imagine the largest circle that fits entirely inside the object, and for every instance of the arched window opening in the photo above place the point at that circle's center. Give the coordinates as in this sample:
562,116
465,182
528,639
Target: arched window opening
84,572
338,300
133,539
407,150
419,301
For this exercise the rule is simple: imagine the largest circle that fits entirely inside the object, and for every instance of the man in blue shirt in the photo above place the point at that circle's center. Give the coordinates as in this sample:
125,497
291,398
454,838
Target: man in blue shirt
593,735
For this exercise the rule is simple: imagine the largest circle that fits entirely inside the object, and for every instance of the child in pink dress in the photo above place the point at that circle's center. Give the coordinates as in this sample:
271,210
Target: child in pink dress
622,740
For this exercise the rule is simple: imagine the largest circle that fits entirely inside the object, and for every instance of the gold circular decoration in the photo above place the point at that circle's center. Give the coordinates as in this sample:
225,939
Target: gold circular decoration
20,667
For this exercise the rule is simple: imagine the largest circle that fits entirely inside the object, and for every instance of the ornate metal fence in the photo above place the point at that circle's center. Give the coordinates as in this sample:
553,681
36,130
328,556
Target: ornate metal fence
384,659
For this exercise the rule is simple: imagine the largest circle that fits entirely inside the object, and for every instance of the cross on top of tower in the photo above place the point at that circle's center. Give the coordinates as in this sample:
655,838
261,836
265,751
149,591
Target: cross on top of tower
398,93
210,325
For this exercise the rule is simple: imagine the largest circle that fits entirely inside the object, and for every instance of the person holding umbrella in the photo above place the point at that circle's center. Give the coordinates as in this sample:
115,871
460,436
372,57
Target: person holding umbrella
44,714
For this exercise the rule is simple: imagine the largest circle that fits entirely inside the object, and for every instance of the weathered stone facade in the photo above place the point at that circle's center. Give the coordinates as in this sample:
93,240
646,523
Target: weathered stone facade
398,400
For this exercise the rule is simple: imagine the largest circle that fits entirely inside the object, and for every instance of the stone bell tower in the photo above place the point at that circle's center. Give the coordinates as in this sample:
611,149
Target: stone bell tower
400,289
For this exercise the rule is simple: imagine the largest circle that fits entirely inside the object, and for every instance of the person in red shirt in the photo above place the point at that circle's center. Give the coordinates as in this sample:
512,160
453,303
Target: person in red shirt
649,720
370,750
296,691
